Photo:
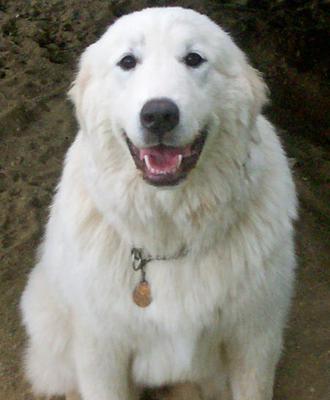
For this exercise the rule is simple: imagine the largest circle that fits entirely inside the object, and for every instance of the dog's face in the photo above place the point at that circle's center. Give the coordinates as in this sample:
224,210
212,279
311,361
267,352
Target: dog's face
163,81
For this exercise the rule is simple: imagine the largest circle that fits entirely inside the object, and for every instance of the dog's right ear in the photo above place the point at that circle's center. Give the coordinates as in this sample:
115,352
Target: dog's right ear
79,85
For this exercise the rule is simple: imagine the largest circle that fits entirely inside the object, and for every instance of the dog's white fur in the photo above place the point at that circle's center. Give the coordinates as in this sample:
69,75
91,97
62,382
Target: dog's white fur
218,313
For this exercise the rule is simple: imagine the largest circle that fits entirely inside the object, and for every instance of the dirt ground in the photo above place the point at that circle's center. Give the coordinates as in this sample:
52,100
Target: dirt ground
39,45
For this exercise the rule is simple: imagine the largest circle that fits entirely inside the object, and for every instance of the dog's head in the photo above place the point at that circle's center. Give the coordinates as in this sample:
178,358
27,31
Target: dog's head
164,82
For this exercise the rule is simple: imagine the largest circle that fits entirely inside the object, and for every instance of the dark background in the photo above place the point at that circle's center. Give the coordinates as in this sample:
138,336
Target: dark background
287,40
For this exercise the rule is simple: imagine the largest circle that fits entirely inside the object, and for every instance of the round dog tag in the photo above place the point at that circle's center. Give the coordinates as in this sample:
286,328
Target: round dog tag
142,294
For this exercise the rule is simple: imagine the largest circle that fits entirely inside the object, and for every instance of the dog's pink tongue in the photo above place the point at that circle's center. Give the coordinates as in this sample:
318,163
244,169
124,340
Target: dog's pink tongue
163,159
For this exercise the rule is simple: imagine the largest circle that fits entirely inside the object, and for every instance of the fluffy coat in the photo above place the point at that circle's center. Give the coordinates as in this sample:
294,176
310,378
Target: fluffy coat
218,313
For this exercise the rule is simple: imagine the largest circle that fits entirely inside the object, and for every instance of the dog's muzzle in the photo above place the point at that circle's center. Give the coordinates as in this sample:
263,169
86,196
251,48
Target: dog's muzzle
161,163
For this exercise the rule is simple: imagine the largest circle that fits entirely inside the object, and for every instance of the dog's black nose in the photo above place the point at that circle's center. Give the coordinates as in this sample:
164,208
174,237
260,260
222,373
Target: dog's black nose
160,116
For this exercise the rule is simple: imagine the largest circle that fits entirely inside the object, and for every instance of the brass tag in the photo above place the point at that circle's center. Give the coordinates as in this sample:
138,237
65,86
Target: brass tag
142,294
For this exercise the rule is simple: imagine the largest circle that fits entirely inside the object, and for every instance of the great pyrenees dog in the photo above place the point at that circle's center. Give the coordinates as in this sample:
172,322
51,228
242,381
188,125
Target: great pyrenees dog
168,255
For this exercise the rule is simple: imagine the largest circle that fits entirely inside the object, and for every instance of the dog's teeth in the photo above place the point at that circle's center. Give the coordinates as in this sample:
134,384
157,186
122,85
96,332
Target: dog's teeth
162,172
146,160
179,161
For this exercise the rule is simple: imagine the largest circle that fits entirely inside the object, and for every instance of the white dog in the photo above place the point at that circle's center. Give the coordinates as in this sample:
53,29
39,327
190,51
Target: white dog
168,255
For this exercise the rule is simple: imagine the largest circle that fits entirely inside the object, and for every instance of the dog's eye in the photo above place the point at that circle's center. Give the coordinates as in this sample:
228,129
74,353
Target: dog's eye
193,60
128,62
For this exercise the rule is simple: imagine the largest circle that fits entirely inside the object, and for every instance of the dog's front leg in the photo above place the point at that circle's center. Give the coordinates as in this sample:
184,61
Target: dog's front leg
103,366
252,361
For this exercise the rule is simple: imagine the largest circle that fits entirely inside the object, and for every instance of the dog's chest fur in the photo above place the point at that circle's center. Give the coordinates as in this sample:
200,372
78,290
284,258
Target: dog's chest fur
193,297
171,337
175,334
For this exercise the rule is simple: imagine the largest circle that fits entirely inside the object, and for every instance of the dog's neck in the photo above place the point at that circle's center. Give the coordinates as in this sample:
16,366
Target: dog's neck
164,220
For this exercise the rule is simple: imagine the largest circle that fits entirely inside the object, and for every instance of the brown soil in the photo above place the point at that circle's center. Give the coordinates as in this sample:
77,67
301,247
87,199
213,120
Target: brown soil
39,45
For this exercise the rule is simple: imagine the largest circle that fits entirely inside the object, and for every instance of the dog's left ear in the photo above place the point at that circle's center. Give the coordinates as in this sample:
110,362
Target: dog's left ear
259,90
258,93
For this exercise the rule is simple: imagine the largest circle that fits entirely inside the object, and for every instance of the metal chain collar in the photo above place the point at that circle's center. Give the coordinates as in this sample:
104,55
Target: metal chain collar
140,259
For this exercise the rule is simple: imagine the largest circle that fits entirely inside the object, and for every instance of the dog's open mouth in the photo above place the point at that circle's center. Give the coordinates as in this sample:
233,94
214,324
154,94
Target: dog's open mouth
164,165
